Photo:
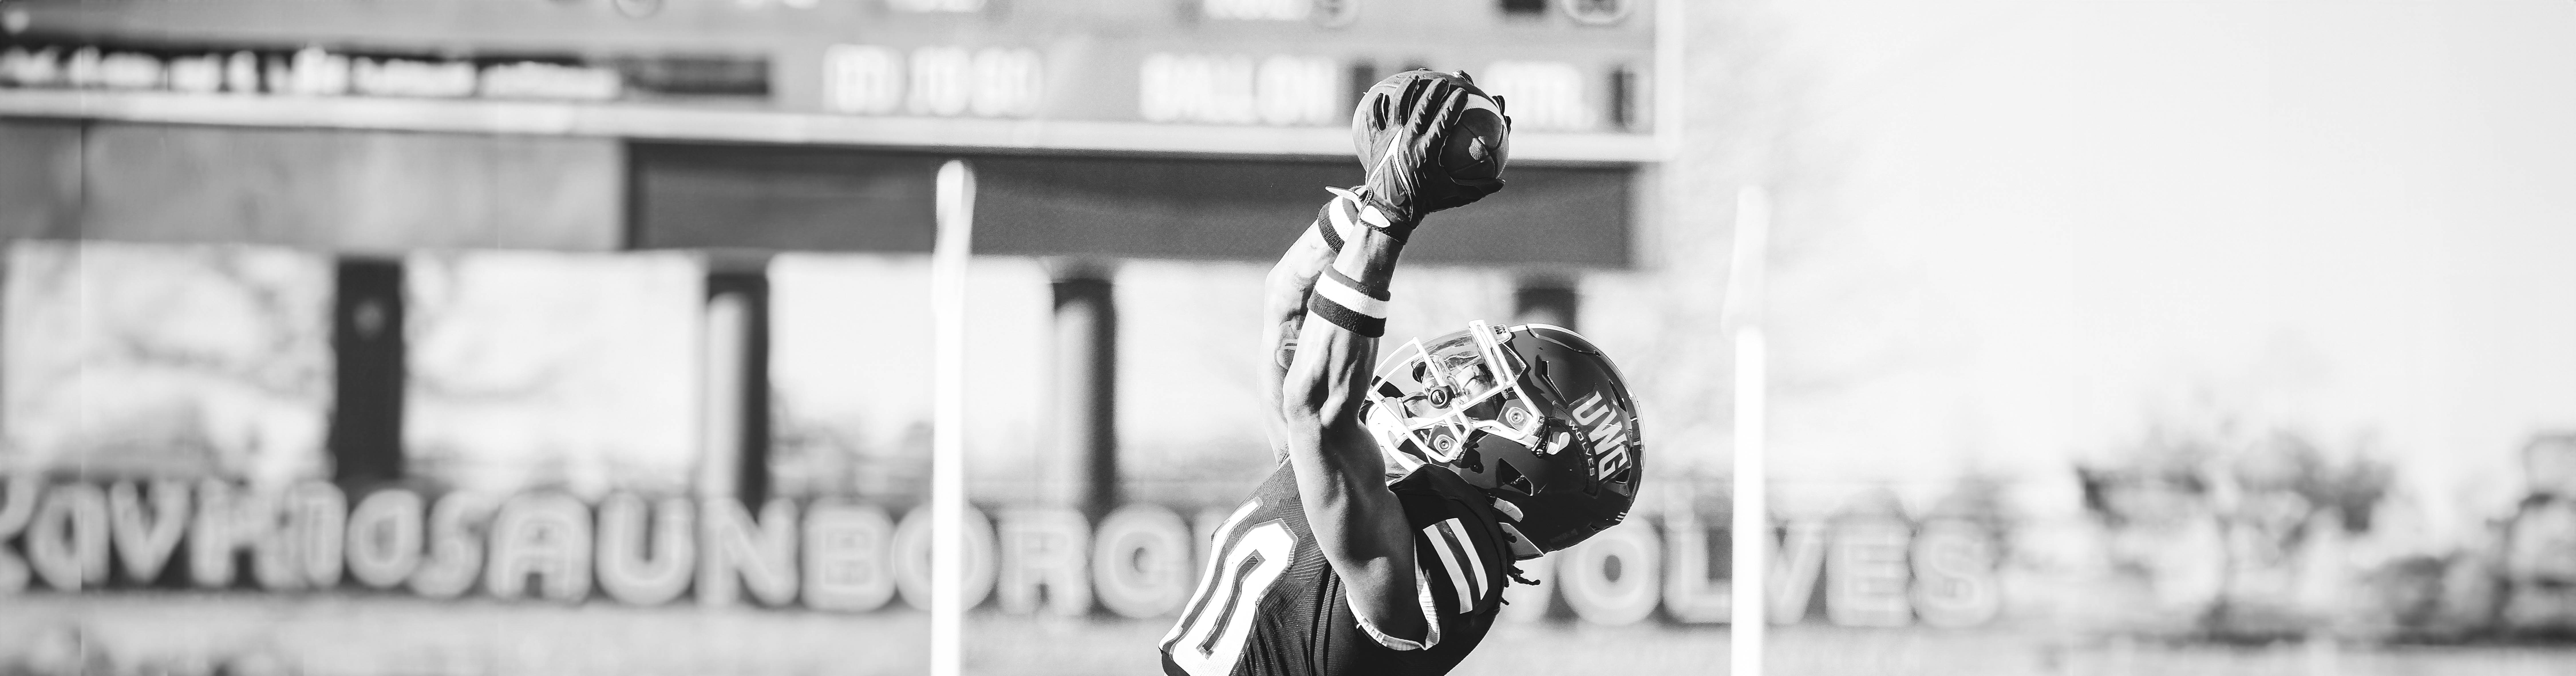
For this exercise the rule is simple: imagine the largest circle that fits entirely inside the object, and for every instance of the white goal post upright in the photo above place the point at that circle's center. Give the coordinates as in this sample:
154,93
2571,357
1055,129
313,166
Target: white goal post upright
1750,534
948,257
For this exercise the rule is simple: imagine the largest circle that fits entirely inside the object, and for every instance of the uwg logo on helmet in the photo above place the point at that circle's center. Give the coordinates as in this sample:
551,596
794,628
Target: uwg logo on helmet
1609,437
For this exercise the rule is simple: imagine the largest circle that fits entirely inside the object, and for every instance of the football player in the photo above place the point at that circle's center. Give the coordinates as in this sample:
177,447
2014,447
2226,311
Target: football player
1382,542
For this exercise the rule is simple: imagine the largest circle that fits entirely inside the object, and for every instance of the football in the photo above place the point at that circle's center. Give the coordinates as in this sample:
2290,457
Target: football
1479,145
1476,147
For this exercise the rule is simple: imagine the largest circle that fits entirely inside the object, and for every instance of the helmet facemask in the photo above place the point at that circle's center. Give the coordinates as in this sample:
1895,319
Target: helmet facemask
1441,399
1479,404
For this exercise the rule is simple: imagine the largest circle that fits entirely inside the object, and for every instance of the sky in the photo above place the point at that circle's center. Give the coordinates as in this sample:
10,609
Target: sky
2048,225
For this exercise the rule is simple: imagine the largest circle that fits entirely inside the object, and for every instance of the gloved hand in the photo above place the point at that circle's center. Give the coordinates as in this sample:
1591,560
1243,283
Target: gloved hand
1401,129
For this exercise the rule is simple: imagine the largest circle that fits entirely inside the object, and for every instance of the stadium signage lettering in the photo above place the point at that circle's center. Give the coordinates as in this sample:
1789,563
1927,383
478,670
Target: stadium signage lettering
845,556
1542,95
937,81
310,71
1278,89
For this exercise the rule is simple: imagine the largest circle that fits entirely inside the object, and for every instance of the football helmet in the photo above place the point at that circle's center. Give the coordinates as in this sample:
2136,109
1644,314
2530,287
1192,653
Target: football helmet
1533,414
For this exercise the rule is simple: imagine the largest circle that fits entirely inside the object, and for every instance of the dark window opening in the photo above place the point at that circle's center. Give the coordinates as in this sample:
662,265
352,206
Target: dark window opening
1623,98
748,285
365,434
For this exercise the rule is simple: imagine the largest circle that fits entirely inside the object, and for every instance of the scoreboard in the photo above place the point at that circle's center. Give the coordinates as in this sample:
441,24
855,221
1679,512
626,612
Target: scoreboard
1280,74
814,124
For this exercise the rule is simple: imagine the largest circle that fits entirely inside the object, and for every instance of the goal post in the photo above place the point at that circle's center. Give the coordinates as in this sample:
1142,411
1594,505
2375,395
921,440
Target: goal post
955,212
1750,533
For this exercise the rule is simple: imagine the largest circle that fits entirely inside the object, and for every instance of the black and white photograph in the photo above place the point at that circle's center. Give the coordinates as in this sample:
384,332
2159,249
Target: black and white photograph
1287,337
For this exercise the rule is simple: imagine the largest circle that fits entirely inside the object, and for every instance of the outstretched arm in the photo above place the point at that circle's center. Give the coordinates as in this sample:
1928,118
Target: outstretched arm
1283,316
1341,478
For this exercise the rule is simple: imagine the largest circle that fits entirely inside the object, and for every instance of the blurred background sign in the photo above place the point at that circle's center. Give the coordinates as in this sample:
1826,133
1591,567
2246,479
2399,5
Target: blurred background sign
458,316
590,336
1154,129
1273,76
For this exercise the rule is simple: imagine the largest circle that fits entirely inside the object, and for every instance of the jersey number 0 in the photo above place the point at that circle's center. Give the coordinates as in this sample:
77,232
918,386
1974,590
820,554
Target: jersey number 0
1209,639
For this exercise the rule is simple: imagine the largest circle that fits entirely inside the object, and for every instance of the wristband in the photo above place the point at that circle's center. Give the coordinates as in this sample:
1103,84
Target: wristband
1353,305
1370,211
1327,225
1350,320
1338,220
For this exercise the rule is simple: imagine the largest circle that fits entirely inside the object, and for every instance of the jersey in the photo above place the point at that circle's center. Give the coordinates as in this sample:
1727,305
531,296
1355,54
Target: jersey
1268,604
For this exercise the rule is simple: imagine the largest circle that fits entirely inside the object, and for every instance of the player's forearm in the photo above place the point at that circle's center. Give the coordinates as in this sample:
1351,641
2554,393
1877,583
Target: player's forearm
1358,523
1333,356
1339,470
1284,293
1292,280
1283,316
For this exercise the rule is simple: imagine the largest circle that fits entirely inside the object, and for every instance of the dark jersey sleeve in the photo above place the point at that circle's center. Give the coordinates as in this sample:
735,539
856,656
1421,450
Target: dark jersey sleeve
1460,558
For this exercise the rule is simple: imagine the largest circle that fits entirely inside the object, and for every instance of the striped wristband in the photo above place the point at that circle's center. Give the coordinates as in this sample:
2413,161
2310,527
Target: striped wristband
1327,224
1347,213
1348,303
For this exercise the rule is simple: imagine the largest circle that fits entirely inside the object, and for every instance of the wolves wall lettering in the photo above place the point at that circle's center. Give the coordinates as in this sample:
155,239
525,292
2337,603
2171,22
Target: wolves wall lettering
846,556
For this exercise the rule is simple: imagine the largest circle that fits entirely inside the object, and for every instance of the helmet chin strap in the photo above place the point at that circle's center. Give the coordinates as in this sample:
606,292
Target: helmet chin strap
1522,548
